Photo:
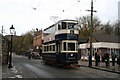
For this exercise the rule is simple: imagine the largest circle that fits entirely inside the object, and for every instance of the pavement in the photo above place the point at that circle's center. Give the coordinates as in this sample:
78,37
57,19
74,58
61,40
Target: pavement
6,72
15,73
102,66
10,72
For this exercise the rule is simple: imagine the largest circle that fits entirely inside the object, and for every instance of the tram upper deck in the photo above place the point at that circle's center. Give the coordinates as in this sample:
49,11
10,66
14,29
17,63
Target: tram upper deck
62,30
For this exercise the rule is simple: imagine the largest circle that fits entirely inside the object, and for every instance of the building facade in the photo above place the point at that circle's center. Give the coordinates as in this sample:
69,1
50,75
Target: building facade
102,43
37,41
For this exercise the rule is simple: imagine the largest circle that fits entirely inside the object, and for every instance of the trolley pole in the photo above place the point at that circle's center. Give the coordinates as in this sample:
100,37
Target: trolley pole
91,31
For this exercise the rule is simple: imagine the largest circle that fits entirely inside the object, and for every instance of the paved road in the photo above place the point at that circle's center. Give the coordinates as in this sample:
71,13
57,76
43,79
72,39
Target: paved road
32,68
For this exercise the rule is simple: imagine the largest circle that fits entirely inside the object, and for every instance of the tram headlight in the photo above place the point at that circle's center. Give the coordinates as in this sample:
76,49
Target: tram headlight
71,54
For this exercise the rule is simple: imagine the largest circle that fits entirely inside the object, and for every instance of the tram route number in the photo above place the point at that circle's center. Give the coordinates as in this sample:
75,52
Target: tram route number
71,58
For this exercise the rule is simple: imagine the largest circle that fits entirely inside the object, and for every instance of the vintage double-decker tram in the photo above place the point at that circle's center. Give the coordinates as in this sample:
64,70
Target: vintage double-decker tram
60,44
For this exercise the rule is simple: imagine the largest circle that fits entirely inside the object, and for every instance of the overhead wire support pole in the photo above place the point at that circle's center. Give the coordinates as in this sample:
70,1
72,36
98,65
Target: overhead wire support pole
91,31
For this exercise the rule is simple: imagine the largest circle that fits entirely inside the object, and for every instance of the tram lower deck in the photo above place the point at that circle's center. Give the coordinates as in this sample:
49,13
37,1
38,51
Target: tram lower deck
61,58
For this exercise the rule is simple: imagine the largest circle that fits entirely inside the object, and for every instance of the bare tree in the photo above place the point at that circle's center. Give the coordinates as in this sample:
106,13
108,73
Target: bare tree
117,28
84,23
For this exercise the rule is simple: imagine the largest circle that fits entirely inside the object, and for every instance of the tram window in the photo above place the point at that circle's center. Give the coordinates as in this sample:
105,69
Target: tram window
48,31
64,46
45,33
71,46
44,48
52,29
47,48
59,26
50,48
71,25
63,25
56,47
53,47
76,46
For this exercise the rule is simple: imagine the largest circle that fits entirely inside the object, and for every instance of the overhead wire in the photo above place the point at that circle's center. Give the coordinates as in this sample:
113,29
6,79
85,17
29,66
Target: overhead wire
71,6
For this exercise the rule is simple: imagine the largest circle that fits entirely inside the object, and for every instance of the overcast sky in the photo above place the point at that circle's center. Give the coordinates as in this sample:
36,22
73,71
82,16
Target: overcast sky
26,15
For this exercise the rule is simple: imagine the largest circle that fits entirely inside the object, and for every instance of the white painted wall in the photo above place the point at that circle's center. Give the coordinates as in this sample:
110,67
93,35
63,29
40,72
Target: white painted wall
101,45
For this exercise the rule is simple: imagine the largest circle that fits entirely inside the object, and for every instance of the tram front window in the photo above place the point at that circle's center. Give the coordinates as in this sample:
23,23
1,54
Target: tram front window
63,25
71,25
71,46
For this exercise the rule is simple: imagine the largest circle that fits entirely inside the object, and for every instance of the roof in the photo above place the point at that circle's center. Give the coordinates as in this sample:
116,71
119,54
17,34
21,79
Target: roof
83,40
106,38
59,22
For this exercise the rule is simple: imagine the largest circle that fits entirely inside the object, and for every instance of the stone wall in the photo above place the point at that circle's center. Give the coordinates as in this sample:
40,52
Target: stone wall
4,49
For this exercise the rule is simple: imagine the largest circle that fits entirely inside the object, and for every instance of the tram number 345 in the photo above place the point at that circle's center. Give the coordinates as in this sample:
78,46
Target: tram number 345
71,58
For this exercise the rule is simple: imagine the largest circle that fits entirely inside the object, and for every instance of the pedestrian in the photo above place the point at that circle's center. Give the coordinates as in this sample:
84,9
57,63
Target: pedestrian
113,58
106,59
118,62
96,59
103,58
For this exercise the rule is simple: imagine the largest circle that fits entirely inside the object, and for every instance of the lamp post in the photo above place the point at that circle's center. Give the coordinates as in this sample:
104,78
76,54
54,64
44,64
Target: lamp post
12,29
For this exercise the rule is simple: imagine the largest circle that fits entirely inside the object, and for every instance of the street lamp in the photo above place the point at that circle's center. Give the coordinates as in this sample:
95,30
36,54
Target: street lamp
12,29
